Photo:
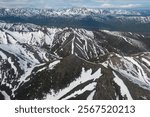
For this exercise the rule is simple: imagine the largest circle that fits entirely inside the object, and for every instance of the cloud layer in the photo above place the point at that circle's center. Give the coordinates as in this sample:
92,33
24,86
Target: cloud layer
74,3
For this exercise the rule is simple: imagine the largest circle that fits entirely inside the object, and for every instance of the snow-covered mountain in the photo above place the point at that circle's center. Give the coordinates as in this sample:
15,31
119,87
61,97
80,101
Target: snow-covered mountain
112,19
29,12
38,62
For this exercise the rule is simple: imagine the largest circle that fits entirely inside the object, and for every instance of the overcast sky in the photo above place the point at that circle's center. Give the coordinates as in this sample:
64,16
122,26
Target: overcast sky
74,3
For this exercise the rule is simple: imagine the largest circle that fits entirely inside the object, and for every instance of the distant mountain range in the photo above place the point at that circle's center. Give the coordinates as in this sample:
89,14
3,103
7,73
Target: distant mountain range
111,19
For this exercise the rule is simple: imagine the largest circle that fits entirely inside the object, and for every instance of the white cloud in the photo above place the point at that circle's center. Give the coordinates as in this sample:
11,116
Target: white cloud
107,6
120,6
131,5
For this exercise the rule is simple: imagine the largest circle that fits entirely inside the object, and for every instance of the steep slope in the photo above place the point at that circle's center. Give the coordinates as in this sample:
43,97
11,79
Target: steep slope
131,74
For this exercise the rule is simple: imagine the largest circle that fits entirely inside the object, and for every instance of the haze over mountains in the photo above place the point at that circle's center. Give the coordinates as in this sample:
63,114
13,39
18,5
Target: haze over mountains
76,53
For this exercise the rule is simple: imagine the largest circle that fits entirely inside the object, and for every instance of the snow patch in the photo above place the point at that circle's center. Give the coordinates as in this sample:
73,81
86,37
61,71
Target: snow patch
4,57
6,96
146,61
89,87
12,65
123,87
90,97
53,64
